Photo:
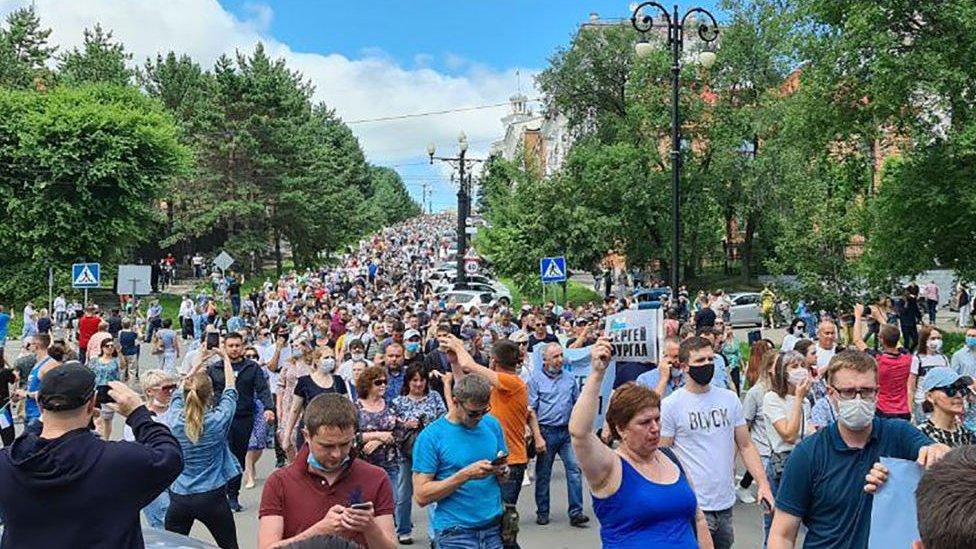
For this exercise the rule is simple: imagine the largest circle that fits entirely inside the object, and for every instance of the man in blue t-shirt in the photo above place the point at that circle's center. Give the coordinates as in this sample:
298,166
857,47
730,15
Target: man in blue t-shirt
823,483
457,462
4,326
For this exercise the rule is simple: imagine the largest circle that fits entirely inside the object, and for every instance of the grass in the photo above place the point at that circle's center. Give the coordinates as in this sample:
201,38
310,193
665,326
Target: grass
575,292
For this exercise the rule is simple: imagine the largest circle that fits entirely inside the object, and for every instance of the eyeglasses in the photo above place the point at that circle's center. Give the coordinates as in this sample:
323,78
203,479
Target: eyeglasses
866,393
953,390
476,414
379,383
252,357
170,387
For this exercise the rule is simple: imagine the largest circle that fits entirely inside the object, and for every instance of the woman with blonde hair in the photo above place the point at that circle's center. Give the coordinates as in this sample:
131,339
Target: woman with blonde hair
199,493
158,387
300,364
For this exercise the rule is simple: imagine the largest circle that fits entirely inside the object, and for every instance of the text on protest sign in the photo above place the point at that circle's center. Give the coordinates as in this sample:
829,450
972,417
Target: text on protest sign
633,335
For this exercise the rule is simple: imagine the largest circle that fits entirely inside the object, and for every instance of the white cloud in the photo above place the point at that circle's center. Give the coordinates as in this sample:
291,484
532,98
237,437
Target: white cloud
370,86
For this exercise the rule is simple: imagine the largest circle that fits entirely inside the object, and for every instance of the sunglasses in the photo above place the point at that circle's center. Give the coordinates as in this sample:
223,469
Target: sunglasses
107,344
954,390
379,383
170,387
475,414
252,357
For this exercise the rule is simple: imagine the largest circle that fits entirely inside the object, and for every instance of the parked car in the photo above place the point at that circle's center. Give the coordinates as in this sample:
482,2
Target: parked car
503,296
746,309
469,298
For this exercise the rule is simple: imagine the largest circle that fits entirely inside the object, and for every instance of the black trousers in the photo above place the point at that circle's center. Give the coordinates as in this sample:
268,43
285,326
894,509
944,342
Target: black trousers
237,439
210,508
909,334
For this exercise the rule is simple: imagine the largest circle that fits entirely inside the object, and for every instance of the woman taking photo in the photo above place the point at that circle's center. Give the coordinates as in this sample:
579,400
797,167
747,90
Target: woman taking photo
786,414
929,356
415,408
377,423
106,368
945,391
641,494
199,493
321,380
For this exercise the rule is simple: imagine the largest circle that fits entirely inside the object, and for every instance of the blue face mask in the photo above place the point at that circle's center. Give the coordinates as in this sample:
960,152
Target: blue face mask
413,346
970,341
314,463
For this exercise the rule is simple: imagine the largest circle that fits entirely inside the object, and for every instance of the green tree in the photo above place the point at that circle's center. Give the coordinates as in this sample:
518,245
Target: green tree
101,60
24,52
84,170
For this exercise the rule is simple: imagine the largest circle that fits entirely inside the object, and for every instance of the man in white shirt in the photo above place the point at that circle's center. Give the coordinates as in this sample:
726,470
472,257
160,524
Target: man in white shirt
186,317
826,343
705,426
60,311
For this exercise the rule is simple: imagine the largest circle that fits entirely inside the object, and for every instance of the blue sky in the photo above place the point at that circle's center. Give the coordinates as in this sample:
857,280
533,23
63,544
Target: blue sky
366,60
448,37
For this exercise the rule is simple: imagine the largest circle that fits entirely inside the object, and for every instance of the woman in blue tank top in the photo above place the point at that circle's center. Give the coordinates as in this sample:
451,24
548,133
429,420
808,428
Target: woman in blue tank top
641,495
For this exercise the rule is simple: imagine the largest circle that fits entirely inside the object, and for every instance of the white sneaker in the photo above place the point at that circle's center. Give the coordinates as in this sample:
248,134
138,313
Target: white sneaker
745,495
526,481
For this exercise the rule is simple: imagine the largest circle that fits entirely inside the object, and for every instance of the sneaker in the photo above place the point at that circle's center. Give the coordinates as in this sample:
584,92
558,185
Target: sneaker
579,520
542,520
526,481
235,505
405,539
745,495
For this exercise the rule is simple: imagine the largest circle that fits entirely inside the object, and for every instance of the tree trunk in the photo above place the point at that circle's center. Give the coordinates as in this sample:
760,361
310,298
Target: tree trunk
279,268
747,251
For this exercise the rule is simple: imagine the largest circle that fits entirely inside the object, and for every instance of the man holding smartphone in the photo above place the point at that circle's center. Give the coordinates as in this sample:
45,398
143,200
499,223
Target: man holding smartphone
326,490
458,462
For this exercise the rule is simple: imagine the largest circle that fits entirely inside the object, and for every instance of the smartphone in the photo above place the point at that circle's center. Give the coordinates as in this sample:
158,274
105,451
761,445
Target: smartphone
102,396
213,340
365,506
500,460
765,506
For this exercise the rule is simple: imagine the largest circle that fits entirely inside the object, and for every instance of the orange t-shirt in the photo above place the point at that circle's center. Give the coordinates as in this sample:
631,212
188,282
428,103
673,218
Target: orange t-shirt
510,406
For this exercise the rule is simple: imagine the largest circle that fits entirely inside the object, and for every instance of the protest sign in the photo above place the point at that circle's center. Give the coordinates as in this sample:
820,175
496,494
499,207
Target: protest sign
634,335
577,363
893,519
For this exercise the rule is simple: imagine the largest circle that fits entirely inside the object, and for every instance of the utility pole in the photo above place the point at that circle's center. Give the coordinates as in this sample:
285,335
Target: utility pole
461,162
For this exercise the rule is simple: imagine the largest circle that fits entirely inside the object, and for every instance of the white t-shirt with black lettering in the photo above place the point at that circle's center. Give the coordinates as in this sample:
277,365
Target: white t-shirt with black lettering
703,427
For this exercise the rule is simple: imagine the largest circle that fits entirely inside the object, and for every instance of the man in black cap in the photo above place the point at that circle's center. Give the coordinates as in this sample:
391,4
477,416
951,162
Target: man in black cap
66,487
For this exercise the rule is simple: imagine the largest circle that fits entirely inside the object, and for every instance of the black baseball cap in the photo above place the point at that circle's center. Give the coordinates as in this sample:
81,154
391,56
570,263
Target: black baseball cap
66,387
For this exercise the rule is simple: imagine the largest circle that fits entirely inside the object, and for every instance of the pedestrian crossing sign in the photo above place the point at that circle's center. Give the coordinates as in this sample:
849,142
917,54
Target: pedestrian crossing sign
86,275
552,269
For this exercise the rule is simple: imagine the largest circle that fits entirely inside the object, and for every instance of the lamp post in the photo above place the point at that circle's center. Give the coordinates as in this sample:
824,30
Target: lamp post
707,32
461,163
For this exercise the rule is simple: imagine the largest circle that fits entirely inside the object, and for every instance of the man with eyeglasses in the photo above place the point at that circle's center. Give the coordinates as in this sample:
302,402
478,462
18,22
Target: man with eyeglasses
458,462
823,484
540,333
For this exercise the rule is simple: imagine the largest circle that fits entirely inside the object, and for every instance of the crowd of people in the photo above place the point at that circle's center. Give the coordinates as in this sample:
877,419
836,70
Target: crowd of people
379,397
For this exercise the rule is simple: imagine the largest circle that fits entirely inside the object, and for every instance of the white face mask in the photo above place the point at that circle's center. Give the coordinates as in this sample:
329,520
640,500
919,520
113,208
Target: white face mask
797,375
327,365
856,414
358,356
934,345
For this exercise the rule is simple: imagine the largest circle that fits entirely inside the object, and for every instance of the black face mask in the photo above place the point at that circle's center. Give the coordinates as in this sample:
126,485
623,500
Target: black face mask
702,374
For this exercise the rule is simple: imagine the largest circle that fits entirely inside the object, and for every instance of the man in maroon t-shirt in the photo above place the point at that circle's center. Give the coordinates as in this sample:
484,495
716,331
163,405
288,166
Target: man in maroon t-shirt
87,327
326,491
894,366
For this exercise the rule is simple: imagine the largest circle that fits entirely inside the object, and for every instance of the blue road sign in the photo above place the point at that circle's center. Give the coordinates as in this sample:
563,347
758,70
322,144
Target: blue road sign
552,269
86,275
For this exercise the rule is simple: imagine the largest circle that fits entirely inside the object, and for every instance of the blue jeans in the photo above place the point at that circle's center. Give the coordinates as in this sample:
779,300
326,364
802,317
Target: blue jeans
404,502
155,512
557,442
463,538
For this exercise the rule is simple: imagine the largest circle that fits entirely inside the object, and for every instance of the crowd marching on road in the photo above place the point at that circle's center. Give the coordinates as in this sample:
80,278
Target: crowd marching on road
382,387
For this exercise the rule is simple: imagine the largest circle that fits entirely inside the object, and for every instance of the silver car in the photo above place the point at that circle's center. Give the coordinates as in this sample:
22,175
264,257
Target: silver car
746,309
